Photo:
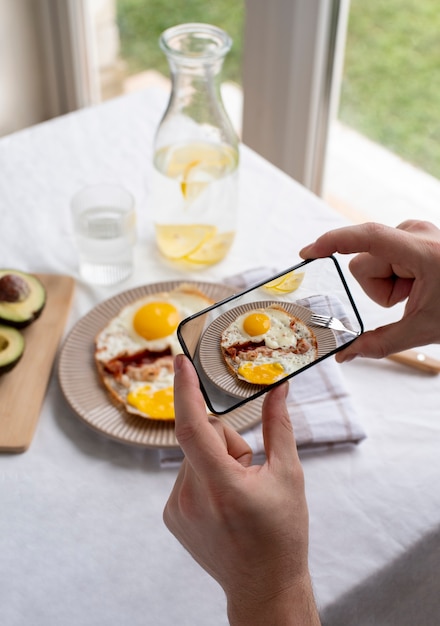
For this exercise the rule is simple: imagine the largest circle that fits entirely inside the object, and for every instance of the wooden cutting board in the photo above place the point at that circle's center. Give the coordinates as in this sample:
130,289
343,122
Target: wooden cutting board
22,389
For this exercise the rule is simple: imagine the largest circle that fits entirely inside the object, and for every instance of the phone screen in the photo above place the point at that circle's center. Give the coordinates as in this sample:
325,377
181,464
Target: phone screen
246,344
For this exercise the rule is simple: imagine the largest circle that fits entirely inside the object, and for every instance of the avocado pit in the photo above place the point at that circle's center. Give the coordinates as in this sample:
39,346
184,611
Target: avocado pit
13,288
22,298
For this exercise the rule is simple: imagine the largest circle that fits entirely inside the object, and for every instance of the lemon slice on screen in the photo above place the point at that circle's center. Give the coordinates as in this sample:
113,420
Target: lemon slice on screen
177,241
284,284
212,249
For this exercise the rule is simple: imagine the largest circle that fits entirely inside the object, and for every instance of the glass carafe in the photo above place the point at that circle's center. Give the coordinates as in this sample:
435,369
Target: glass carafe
195,174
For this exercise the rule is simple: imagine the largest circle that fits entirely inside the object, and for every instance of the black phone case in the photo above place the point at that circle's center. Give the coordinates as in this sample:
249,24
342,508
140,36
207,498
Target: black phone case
320,287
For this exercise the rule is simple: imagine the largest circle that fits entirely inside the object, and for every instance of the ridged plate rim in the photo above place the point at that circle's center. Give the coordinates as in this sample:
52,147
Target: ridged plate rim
92,403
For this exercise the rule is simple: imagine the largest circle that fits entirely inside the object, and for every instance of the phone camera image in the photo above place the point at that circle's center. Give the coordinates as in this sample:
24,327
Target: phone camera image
244,345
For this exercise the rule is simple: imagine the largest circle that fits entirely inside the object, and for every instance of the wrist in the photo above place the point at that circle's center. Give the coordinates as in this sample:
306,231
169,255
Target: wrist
294,606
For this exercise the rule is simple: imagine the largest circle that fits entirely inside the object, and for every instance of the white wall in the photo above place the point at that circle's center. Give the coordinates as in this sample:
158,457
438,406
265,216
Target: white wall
22,81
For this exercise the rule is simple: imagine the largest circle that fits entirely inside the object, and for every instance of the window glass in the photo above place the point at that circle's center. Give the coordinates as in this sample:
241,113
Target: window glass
391,84
127,34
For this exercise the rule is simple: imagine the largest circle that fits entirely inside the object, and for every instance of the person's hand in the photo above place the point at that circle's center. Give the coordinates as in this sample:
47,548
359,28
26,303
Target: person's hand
394,265
246,525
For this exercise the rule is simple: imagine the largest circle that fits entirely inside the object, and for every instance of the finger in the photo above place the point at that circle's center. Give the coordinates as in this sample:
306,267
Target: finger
420,227
377,239
234,443
378,279
279,439
200,442
382,342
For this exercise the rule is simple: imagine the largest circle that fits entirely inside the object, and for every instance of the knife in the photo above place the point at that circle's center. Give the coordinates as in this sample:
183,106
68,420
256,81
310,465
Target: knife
417,359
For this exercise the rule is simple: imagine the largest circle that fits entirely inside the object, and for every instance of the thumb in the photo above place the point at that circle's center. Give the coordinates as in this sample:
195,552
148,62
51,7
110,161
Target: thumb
279,440
381,342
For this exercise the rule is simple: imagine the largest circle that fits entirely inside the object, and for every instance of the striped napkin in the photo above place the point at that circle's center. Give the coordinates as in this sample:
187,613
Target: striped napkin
320,406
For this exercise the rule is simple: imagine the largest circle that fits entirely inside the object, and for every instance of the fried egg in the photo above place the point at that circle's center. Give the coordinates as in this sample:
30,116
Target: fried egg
134,352
149,323
262,346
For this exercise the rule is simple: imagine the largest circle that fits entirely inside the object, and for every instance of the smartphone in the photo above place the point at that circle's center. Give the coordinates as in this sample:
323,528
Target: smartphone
254,340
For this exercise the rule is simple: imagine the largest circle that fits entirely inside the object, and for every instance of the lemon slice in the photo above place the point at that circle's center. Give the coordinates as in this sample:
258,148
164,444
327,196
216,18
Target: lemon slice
212,249
193,184
177,241
284,284
185,183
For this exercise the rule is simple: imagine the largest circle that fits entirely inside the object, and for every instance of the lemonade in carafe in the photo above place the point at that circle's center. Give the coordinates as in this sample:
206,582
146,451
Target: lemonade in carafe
195,175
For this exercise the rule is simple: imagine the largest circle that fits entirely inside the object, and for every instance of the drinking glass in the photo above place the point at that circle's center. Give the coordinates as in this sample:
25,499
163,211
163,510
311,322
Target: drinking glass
104,222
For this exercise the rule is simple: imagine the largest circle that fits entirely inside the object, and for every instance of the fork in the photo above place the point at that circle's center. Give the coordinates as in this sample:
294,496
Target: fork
330,322
412,358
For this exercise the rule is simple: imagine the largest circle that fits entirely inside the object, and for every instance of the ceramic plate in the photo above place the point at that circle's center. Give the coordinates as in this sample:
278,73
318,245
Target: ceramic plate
90,400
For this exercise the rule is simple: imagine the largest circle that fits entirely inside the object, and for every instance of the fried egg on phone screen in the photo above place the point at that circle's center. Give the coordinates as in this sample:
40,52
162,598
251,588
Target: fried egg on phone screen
262,346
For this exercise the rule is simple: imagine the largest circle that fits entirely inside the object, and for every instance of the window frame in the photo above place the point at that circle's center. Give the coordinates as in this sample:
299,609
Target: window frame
292,72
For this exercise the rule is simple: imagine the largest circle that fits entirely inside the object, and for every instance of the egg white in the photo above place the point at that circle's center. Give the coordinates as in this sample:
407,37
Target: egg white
119,337
279,335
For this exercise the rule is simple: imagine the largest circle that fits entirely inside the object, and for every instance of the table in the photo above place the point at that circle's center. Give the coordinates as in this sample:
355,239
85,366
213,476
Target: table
81,533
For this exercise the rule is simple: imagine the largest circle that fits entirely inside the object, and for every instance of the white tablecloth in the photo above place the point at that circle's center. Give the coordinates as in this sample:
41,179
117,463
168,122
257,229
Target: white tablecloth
81,535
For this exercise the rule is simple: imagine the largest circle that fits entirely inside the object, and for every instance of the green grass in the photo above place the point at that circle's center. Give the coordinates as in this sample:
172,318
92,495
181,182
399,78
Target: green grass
142,21
391,85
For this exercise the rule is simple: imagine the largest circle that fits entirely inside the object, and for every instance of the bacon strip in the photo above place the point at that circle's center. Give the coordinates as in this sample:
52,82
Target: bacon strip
250,351
119,365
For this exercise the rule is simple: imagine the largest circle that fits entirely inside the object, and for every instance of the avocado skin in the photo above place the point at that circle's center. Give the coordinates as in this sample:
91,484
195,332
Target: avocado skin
4,369
11,348
21,314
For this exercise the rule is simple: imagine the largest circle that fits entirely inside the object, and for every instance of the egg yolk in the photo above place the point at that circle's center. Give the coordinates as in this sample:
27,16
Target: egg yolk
155,320
157,404
256,324
264,374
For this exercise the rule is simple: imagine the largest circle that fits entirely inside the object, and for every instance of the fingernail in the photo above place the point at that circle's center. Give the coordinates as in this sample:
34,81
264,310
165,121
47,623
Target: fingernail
285,388
178,362
346,359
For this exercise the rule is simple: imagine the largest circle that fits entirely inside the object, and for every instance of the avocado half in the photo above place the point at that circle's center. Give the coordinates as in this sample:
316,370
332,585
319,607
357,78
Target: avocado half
22,298
11,348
